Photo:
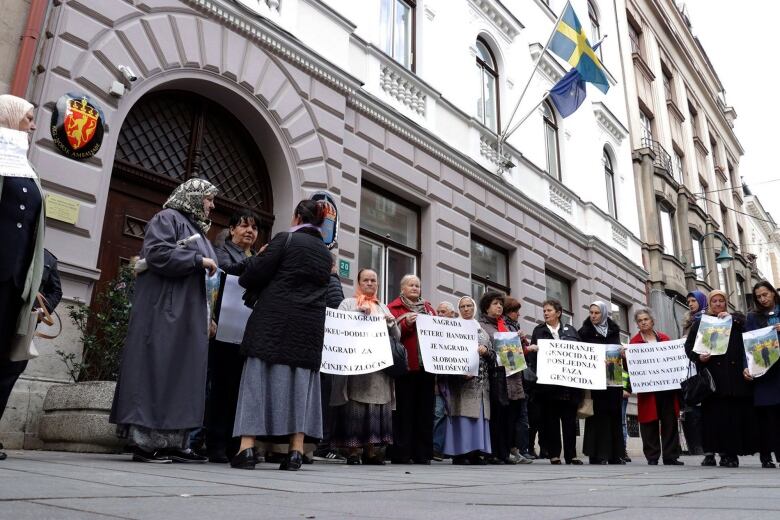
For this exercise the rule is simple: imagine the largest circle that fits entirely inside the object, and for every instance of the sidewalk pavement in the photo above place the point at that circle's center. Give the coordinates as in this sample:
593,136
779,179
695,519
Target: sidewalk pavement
53,485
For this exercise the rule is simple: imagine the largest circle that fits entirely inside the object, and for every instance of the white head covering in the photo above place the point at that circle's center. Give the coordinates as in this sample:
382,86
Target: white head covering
472,302
12,111
601,327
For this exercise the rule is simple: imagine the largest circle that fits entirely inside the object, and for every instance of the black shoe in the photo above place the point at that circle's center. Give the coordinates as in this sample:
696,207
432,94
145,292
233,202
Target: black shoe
154,457
674,462
184,456
375,460
495,461
574,462
555,461
617,461
218,457
475,459
709,460
3,455
768,464
422,462
306,459
328,455
653,462
732,462
293,461
244,459
461,460
353,460
395,461
626,458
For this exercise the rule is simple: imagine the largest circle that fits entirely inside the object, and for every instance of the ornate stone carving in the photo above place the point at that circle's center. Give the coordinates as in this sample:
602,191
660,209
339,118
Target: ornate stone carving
489,150
561,199
495,14
402,87
620,235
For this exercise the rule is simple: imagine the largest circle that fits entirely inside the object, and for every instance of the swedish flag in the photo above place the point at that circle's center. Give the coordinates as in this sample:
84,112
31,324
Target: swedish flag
570,43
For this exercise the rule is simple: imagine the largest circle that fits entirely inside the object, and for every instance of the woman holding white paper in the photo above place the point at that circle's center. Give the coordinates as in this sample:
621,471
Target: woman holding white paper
727,414
362,405
658,411
766,389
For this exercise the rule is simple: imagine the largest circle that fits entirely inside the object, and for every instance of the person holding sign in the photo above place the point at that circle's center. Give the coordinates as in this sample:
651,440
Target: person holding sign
414,391
362,405
557,404
657,408
603,440
766,389
727,414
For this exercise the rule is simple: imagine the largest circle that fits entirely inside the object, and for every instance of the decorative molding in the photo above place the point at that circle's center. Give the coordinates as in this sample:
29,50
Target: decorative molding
620,235
548,65
402,86
609,122
644,68
500,17
430,14
259,6
561,199
489,150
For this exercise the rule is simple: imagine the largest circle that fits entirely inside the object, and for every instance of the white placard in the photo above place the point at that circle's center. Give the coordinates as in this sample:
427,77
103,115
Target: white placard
655,367
233,314
448,345
571,363
13,154
355,343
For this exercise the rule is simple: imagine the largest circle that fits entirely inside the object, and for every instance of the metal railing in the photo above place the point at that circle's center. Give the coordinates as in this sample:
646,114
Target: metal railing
662,158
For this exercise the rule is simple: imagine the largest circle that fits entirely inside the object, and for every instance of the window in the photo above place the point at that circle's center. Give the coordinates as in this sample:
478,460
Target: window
667,229
396,30
389,239
741,235
722,281
487,69
742,296
619,314
635,36
489,268
551,141
677,167
697,255
694,122
559,288
609,174
595,35
646,124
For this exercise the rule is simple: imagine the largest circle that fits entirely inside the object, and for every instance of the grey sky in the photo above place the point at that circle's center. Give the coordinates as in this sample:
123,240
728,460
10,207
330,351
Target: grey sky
741,43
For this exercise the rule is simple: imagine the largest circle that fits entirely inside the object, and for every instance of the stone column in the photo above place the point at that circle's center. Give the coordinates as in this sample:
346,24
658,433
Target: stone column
683,226
709,256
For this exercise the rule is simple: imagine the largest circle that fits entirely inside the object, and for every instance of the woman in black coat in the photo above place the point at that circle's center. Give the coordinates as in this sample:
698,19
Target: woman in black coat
727,414
558,404
279,397
603,441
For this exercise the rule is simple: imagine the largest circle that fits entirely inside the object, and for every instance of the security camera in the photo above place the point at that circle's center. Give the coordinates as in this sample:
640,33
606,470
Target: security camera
127,73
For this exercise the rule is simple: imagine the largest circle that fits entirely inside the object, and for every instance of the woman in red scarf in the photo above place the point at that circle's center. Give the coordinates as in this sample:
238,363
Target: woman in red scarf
658,411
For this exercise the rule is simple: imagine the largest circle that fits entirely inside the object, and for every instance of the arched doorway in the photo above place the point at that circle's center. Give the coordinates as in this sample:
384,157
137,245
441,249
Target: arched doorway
170,136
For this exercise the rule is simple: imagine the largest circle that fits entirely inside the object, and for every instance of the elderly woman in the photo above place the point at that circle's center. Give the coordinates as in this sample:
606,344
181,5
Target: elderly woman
558,404
225,362
658,411
279,396
21,257
766,389
727,414
603,440
467,402
362,405
413,418
161,392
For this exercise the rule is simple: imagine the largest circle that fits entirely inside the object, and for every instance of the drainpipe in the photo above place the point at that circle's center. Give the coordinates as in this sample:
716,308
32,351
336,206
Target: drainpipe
30,36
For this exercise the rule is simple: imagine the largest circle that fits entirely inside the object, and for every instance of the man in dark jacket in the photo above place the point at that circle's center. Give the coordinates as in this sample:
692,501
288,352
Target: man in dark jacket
51,290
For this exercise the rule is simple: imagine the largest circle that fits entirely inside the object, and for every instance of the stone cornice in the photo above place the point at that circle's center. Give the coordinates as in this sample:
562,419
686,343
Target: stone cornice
609,122
499,16
548,65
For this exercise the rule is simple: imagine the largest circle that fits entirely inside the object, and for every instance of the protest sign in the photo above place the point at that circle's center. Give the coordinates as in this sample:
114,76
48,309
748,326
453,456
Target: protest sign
614,365
355,343
233,314
448,346
654,367
509,352
762,350
713,335
13,154
571,363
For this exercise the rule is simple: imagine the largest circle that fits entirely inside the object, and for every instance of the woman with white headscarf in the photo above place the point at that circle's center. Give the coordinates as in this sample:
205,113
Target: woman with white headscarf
22,226
603,441
467,402
161,391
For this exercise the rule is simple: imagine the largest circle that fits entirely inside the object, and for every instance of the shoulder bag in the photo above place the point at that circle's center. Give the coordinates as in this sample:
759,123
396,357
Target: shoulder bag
696,388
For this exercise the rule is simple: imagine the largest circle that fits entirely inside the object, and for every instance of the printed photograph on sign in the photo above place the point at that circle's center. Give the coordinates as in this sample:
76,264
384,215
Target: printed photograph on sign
614,365
713,335
509,352
762,350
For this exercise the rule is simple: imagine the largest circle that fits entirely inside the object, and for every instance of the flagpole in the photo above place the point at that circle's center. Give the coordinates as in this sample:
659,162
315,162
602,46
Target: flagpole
503,136
517,125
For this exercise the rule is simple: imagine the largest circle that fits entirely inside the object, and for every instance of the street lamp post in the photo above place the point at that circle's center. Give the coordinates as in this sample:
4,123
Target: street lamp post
724,258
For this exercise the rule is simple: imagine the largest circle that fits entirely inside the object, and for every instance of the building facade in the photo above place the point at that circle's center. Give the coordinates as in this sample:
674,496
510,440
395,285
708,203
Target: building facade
390,106
762,240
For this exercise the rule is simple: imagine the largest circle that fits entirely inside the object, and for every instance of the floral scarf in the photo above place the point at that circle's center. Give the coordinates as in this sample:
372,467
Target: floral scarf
188,198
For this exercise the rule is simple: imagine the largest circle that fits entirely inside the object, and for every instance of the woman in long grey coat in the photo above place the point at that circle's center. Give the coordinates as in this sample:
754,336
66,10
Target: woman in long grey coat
161,392
467,402
362,405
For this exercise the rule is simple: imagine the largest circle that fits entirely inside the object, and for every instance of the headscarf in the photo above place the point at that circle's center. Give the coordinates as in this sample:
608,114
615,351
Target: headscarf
365,301
716,292
602,327
472,302
188,199
12,111
701,298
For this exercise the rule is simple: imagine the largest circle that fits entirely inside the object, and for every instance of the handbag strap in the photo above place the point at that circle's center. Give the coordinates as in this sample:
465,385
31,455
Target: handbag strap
47,318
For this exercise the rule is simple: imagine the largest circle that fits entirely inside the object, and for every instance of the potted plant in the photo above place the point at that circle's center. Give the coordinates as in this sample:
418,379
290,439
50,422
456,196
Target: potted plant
75,416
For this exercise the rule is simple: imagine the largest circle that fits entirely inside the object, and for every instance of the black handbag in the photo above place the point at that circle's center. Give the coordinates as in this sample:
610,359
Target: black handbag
499,393
698,387
400,364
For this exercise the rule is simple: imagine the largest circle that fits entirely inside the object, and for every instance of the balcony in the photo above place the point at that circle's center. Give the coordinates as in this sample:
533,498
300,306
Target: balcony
662,160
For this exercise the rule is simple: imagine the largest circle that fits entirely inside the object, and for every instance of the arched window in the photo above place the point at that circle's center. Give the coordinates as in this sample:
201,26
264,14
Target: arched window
609,175
487,68
595,28
551,141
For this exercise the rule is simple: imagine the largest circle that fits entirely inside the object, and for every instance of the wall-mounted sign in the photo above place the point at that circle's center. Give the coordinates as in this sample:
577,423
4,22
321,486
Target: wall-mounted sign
62,208
77,126
330,226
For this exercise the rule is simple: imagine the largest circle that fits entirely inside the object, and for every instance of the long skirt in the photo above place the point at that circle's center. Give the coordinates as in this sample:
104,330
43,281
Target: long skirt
151,440
728,425
769,431
463,435
355,424
275,401
603,438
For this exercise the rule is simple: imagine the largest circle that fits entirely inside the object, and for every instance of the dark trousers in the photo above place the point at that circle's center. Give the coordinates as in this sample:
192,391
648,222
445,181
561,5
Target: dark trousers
518,425
535,424
768,418
9,373
413,417
500,430
560,416
661,437
10,304
225,367
692,430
